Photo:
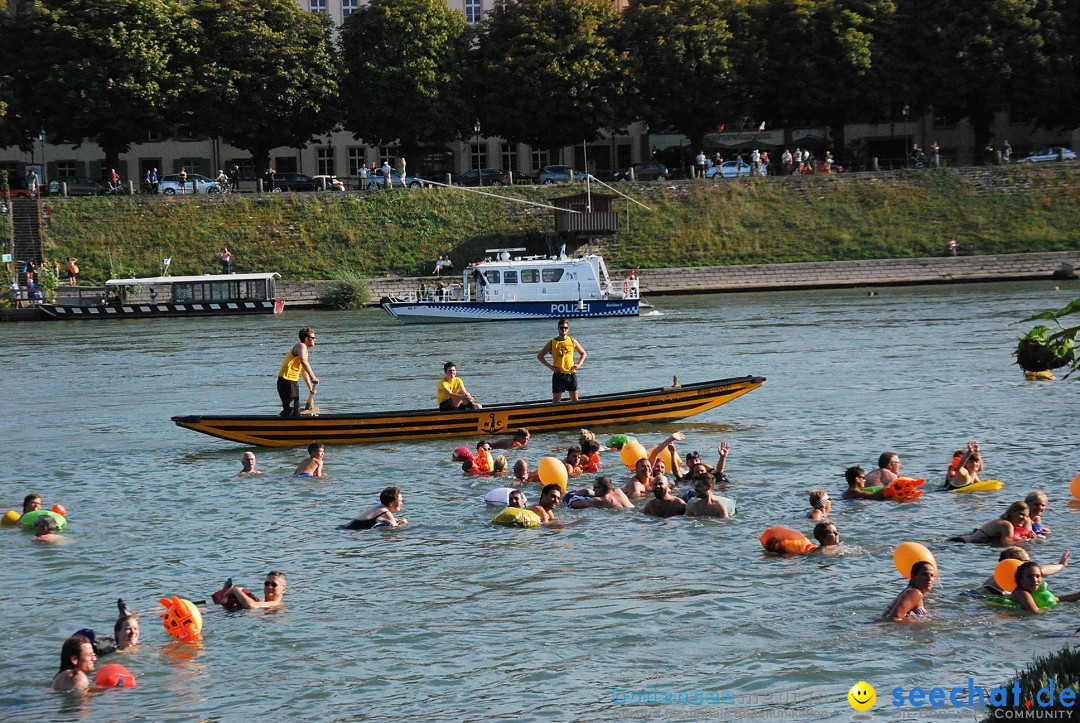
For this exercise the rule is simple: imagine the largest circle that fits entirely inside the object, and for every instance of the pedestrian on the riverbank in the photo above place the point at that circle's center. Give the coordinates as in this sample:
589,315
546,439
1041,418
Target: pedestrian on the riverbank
296,365
234,178
700,163
32,182
439,263
562,365
73,270
1006,151
226,261
387,174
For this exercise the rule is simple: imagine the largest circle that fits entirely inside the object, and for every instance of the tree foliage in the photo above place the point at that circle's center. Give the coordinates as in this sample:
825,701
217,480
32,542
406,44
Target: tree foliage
682,54
404,74
265,74
967,59
550,72
103,70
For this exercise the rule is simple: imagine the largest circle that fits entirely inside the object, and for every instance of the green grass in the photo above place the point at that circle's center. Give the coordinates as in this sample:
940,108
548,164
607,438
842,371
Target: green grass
691,224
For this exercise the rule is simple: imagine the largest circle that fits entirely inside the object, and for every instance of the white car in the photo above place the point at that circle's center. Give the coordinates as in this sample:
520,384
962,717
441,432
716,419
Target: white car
171,185
1049,154
333,183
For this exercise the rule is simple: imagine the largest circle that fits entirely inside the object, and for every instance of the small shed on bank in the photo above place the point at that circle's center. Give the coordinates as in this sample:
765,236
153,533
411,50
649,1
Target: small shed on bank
594,218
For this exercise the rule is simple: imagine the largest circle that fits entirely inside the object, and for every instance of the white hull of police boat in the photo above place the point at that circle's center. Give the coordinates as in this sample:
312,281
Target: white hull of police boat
427,312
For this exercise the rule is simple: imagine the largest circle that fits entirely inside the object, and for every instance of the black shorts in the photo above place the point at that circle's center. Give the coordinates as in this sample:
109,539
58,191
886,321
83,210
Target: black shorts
563,383
448,405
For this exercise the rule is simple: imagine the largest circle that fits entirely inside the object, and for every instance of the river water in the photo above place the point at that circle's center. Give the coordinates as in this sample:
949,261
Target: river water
451,618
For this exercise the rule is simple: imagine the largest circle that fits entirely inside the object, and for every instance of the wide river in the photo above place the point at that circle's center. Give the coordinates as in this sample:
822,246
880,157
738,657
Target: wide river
452,618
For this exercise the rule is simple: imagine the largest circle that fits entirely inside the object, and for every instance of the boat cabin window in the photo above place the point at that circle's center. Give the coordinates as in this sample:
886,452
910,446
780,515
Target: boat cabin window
530,276
199,291
552,275
509,277
492,276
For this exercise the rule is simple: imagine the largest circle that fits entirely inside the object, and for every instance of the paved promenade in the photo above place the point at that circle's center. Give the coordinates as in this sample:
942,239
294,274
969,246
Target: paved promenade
773,277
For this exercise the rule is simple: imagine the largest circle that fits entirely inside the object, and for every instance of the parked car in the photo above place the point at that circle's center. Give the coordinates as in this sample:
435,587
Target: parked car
78,186
396,181
333,183
644,171
171,184
294,182
483,177
1048,154
558,174
732,169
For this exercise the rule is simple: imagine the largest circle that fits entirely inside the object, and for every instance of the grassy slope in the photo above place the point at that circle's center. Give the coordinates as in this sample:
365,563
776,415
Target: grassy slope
704,223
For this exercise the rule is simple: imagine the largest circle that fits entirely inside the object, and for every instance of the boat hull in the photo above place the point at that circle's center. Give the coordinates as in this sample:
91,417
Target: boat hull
663,404
455,311
146,311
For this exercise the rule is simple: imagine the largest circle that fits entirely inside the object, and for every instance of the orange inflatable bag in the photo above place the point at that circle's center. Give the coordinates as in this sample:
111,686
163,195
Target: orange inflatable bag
904,489
783,541
181,618
594,464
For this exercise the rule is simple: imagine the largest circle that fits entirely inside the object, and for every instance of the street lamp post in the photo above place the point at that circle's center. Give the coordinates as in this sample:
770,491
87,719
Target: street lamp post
906,111
476,150
44,173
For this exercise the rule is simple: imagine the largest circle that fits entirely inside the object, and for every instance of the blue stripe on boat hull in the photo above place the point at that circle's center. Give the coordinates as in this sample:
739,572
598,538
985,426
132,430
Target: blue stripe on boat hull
426,312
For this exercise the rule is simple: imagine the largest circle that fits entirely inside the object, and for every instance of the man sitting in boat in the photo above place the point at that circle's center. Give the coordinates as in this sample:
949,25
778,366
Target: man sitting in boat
451,392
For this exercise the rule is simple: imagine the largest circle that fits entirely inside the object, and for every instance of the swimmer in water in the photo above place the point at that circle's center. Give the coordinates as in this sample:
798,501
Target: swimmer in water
77,660
820,505
826,535
516,499
910,601
313,465
856,480
1010,528
550,497
126,632
603,494
990,587
31,503
45,530
705,505
520,439
248,460
382,514
964,471
1028,579
273,592
1037,502
664,504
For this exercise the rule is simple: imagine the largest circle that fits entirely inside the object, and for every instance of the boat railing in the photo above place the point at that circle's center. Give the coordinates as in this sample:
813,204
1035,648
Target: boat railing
437,295
630,288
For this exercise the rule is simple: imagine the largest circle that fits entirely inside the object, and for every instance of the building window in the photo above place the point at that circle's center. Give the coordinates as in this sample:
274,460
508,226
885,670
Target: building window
324,160
389,154
192,165
509,157
154,137
473,10
539,159
356,160
67,168
347,8
318,6
943,123
478,154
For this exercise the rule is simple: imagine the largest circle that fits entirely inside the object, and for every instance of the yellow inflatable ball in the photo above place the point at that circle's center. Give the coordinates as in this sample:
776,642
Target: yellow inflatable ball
1005,574
631,453
665,456
10,518
1075,487
552,471
907,554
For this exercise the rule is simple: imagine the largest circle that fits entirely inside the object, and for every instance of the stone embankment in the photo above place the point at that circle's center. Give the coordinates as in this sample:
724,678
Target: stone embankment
776,277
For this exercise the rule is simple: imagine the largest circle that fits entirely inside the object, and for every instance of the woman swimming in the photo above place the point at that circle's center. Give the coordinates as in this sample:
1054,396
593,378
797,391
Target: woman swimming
1029,578
820,505
910,601
382,514
1009,529
1037,502
990,587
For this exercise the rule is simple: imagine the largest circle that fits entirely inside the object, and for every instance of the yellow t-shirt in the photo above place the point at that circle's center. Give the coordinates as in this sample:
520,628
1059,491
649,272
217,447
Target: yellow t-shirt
290,368
445,389
562,355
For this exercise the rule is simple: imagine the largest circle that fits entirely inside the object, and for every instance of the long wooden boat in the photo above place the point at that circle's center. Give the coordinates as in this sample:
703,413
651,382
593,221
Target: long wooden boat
662,404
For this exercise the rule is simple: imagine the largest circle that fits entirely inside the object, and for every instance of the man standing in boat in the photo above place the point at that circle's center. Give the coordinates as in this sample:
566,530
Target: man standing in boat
296,365
564,370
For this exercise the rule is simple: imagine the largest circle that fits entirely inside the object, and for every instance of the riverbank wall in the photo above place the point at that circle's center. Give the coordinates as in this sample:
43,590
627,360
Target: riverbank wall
868,273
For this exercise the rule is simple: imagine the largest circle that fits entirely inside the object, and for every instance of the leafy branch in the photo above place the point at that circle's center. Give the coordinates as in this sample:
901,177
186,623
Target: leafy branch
1044,348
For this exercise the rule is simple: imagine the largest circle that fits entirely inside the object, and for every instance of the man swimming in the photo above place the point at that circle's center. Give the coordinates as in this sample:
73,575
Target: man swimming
663,503
550,497
603,494
248,461
887,472
273,592
705,505
381,515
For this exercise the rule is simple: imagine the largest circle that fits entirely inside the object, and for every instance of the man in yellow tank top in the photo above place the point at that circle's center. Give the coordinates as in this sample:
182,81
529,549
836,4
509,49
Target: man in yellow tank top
296,365
564,370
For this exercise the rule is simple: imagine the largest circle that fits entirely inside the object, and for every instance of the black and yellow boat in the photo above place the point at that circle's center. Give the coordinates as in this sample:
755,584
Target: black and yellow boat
662,404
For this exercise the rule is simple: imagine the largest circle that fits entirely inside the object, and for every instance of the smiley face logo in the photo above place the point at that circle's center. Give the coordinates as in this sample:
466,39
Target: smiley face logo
862,696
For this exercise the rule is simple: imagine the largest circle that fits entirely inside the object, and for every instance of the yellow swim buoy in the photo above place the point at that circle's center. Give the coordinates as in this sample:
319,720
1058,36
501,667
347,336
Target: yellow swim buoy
1043,376
517,517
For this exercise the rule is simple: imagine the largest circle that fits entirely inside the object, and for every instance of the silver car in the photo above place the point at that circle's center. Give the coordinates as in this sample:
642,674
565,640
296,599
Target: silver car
1049,154
171,184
